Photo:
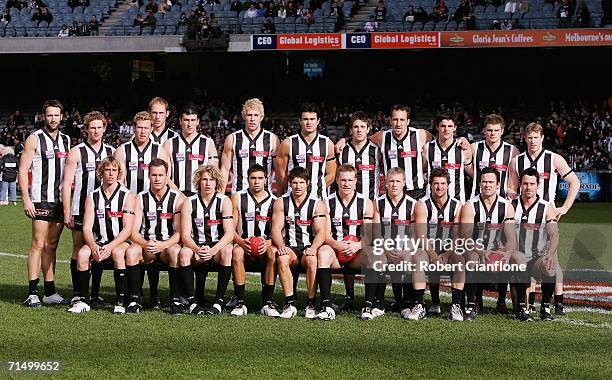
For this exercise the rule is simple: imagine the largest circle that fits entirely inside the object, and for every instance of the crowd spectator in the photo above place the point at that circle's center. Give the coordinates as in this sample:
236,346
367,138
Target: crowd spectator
251,12
409,15
380,13
74,3
583,17
41,15
308,17
281,12
510,6
563,14
9,167
261,10
150,6
163,6
5,18
420,15
236,6
439,11
64,31
371,25
523,7
268,27
94,26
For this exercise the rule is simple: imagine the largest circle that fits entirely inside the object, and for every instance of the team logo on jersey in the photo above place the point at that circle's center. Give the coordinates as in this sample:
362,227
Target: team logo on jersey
366,167
545,175
337,221
165,215
100,214
263,218
354,222
493,226
151,215
386,220
249,216
499,167
115,214
392,154
49,154
199,222
198,157
531,226
180,156
300,158
410,153
402,222
450,166
90,166
301,222
62,154
132,166
316,159
243,153
214,222
144,166
260,153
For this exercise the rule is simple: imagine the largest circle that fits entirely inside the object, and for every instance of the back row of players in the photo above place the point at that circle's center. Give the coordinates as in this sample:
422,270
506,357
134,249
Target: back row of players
160,164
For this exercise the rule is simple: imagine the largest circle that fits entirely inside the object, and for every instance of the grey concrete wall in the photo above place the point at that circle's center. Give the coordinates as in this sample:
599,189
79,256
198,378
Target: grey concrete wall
100,44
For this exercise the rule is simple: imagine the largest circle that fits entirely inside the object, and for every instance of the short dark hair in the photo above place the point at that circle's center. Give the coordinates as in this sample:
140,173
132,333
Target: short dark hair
443,116
158,162
401,107
362,116
489,170
298,172
256,168
188,109
439,172
51,103
310,107
530,172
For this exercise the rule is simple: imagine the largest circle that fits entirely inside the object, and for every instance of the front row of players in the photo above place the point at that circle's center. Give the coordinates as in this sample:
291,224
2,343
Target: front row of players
209,231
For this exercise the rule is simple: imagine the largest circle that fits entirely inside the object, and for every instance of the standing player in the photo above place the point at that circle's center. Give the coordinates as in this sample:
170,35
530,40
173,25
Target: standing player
45,153
252,210
439,214
155,234
247,147
107,223
302,221
81,169
538,237
310,150
207,231
348,212
550,165
445,152
364,156
135,157
189,150
158,108
136,154
394,211
489,219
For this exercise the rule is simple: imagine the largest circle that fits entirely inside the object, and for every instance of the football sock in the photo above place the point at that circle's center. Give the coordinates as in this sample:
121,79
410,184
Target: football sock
418,296
266,294
372,281
434,288
381,287
239,292
120,284
408,293
296,276
153,277
133,281
532,296
33,287
200,284
290,300
558,298
73,275
325,282
521,288
96,278
142,277
501,292
173,284
83,279
185,275
311,301
548,288
49,287
456,296
350,293
225,273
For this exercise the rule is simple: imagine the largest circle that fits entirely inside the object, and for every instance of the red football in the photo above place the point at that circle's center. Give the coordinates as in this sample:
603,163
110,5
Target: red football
255,243
342,258
494,257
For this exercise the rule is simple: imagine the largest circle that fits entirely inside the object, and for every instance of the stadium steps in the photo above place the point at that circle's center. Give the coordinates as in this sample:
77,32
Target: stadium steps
361,17
115,17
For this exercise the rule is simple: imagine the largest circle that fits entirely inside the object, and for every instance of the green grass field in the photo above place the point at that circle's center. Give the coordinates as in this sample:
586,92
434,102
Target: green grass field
155,344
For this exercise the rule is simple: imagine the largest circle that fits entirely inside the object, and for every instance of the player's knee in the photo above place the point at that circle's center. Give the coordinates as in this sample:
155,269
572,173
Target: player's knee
237,254
309,262
184,257
271,254
283,262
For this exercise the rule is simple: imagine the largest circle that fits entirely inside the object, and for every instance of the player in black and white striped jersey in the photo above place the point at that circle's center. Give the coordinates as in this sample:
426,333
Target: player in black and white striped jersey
310,150
108,216
136,154
158,108
252,210
551,166
81,170
438,215
189,150
489,220
207,231
45,152
247,147
156,235
298,231
538,235
348,212
446,152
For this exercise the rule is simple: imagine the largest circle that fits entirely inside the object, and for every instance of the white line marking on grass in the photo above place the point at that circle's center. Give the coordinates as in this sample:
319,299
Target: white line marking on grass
584,323
26,256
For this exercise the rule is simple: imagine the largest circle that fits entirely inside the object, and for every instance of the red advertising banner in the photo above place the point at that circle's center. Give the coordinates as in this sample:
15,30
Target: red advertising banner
527,38
405,40
310,41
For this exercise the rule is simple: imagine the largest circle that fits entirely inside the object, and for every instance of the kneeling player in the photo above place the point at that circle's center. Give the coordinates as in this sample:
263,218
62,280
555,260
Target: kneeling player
303,221
207,231
438,214
253,220
533,215
107,223
156,235
348,211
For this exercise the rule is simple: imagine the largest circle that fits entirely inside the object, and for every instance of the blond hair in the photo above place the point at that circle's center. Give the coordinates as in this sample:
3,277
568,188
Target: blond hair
255,104
534,127
92,116
141,116
396,170
108,161
213,172
159,100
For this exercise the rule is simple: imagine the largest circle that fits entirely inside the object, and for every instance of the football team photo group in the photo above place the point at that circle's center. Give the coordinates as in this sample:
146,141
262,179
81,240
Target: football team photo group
169,201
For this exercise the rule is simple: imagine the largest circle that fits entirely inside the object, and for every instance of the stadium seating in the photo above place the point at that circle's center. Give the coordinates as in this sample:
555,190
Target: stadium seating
541,15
